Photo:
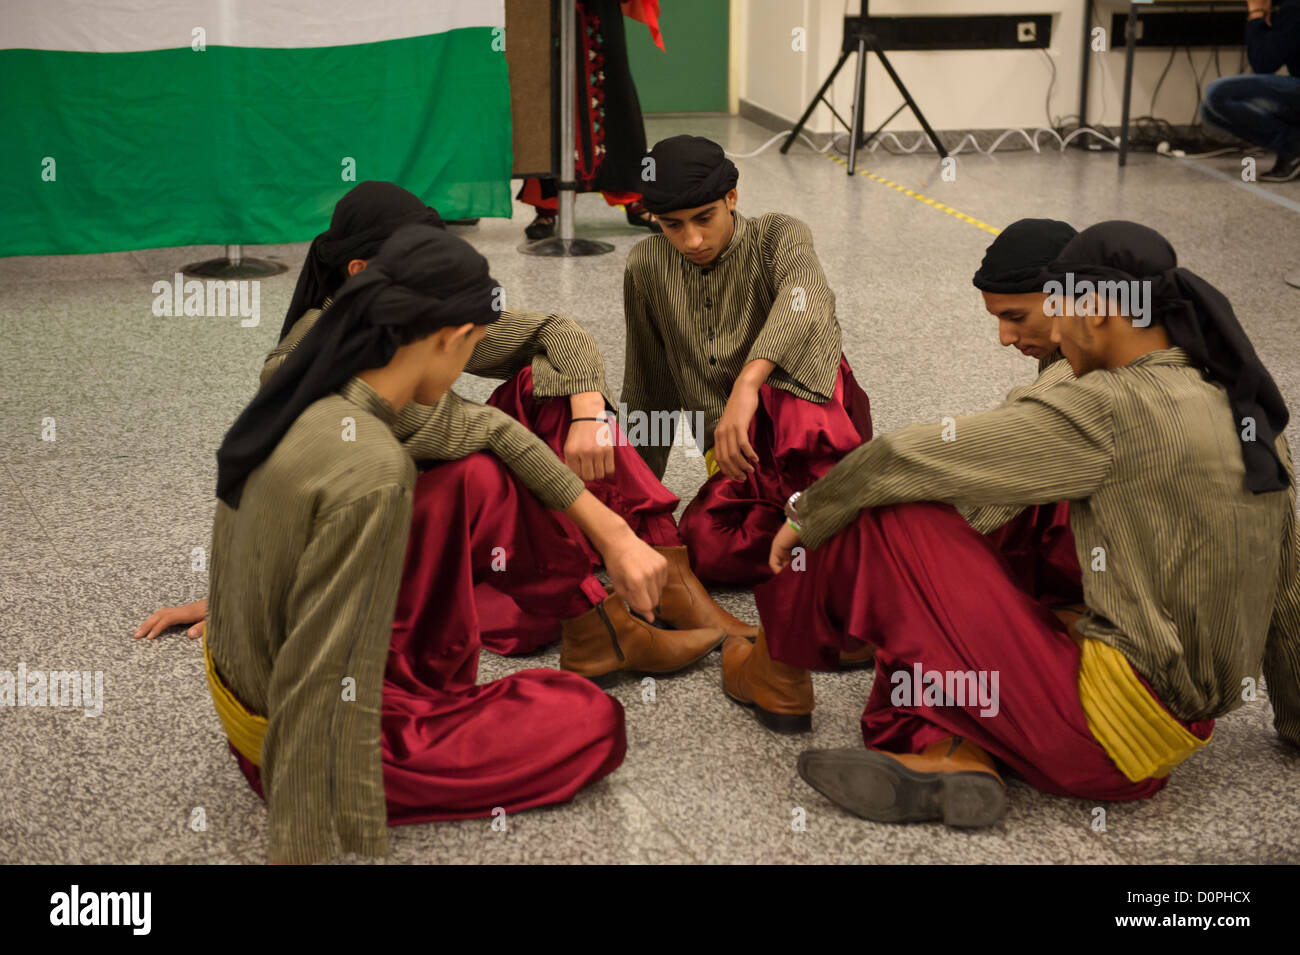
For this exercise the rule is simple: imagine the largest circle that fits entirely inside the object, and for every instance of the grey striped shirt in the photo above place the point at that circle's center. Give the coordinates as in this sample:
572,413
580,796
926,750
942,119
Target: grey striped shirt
303,587
565,361
1052,370
691,329
1189,575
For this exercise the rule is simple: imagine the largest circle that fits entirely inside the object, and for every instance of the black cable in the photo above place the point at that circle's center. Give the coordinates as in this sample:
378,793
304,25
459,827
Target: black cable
1205,88
1047,106
1160,82
1200,92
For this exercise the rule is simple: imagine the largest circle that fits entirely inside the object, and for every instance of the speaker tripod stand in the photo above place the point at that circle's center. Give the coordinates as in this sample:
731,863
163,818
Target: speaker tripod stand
859,39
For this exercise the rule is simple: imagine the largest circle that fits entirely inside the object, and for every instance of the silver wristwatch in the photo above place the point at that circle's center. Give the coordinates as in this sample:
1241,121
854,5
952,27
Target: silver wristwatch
791,512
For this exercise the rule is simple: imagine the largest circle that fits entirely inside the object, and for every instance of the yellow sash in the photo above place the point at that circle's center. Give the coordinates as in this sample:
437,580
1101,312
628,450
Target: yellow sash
711,463
244,729
1138,734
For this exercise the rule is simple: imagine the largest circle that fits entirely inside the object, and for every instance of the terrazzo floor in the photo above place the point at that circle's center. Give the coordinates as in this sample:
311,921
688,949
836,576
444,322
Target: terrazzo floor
98,527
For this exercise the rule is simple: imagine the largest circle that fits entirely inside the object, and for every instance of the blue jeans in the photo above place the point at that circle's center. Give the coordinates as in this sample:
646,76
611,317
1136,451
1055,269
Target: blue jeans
1264,110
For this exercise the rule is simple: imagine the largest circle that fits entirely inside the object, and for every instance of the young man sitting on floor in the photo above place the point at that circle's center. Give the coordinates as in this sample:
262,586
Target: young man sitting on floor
1169,448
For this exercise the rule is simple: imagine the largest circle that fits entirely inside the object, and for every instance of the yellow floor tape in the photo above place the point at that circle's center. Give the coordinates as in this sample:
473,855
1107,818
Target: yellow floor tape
916,195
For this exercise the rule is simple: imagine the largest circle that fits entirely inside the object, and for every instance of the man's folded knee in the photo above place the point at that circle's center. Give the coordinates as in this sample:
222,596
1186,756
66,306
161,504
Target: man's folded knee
481,472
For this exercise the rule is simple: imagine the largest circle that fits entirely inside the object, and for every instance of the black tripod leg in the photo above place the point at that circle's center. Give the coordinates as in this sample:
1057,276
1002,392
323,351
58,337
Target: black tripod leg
862,98
916,110
859,104
798,127
1130,43
1087,53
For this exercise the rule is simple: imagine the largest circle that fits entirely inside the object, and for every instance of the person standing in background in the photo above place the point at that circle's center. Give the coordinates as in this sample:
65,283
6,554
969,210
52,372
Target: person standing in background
610,131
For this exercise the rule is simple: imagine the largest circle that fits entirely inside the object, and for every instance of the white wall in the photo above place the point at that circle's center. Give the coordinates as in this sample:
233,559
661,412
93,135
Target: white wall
956,90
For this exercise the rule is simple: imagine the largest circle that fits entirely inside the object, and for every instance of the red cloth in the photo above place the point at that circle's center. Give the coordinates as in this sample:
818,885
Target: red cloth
633,493
1038,546
527,576
454,750
923,586
729,526
534,194
647,12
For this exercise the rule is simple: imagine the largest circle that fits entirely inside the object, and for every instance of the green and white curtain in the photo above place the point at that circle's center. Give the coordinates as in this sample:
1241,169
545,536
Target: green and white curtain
134,124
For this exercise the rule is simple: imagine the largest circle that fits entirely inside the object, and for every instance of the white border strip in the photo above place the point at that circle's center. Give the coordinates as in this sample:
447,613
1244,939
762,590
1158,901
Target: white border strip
123,26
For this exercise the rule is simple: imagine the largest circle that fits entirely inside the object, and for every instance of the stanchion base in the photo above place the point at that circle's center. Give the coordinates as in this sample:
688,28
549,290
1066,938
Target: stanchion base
222,268
568,247
1293,279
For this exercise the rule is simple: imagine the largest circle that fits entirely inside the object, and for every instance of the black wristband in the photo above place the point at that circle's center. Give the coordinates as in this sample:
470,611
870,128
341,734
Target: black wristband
600,420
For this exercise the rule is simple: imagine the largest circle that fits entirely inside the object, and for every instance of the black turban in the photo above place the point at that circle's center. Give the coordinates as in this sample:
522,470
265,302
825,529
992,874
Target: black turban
1198,319
1013,264
367,215
421,279
688,171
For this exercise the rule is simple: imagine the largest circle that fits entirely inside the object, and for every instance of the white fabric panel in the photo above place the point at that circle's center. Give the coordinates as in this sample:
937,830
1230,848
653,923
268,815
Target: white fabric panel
119,26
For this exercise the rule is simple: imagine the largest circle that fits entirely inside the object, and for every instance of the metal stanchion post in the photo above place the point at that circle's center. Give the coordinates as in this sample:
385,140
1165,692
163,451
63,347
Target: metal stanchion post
565,243
233,265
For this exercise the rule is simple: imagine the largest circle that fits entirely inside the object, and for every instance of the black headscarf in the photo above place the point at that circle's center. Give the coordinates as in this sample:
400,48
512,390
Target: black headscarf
1013,264
367,215
1198,319
422,279
689,171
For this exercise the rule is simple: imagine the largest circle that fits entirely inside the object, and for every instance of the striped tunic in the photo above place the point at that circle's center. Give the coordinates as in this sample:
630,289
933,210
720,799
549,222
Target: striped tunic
303,587
1185,572
1052,370
565,361
691,329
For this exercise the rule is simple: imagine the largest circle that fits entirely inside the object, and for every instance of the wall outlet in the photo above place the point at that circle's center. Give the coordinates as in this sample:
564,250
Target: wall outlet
1027,31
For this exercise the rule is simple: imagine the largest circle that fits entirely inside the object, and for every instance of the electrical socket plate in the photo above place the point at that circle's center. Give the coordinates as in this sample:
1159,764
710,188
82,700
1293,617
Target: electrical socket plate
1026,31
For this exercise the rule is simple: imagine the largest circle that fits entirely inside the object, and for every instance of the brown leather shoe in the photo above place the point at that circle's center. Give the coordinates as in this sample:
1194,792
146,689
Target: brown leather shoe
685,603
608,640
953,780
781,695
858,659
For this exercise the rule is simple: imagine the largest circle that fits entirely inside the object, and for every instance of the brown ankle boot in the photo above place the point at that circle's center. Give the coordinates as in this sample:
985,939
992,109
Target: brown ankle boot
858,659
685,603
608,640
953,780
781,695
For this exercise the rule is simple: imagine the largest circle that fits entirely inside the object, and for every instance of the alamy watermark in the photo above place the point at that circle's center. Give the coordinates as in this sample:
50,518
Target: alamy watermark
75,688
961,688
1130,297
129,909
210,299
653,429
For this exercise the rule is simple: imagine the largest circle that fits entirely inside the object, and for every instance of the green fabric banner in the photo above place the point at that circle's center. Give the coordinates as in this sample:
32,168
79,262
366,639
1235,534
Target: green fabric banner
109,151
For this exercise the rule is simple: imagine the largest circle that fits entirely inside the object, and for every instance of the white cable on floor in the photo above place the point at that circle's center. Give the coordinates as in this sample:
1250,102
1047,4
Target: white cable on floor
778,136
923,140
1088,129
1164,150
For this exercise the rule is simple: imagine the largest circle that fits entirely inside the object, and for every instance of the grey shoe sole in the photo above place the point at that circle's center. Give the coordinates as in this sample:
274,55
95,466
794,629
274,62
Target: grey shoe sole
875,786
